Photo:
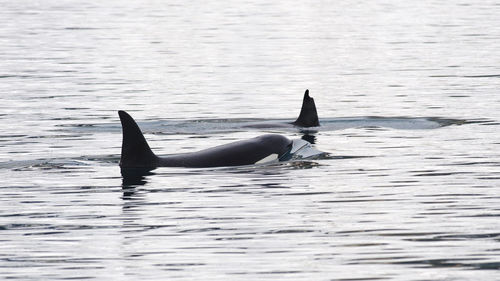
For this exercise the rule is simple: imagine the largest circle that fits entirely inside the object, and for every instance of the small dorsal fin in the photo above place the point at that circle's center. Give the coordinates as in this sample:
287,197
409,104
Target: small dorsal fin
308,116
136,152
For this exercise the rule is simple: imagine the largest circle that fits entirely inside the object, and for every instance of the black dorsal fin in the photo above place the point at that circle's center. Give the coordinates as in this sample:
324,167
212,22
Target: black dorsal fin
308,116
136,152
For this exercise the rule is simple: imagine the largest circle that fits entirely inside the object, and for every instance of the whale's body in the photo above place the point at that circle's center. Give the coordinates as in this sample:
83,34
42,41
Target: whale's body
136,152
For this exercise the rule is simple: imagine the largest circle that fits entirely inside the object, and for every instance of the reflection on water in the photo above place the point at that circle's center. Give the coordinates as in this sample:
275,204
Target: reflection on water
309,138
135,176
407,96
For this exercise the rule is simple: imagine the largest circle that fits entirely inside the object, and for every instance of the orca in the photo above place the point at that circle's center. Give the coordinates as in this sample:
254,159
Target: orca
136,153
308,116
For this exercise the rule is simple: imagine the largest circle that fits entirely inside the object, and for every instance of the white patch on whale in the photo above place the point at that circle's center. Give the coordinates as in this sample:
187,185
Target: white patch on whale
269,158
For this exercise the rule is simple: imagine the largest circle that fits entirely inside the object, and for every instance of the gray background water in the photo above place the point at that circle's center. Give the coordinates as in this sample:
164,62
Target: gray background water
407,198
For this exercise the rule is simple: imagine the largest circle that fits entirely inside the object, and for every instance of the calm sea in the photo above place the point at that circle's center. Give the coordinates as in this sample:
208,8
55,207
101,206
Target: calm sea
408,94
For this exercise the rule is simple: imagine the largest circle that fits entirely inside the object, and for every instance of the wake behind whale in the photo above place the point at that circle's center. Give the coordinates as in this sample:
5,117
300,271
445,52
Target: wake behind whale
307,121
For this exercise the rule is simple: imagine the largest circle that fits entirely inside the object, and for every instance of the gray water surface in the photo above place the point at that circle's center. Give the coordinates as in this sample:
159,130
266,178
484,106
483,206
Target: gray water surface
408,98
